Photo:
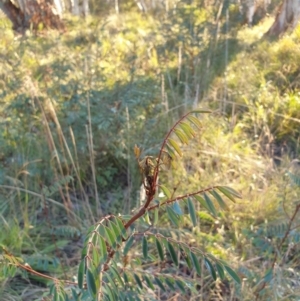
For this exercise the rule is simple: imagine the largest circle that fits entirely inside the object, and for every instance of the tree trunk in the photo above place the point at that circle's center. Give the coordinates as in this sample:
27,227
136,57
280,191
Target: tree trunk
13,13
287,16
32,14
253,10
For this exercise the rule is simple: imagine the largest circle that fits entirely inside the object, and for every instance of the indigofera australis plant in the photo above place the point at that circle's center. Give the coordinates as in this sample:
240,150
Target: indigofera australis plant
114,267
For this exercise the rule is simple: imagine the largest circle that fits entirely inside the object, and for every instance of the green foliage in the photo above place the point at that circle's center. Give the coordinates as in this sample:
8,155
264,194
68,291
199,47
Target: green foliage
73,107
105,268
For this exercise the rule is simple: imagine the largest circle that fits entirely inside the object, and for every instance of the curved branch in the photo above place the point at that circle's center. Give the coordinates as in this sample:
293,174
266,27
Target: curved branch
181,197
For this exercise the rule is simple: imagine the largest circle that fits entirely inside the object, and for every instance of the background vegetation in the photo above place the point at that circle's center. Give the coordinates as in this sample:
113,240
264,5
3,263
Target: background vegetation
73,106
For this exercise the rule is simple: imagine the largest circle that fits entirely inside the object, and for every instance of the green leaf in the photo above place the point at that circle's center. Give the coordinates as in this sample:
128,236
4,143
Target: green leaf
170,152
180,285
172,253
192,212
229,192
159,249
201,111
220,271
66,297
84,250
187,259
232,274
146,218
61,297
187,129
195,121
196,263
210,268
294,177
110,293
155,218
149,283
94,237
145,247
102,231
159,283
74,293
111,238
182,137
170,283
174,144
91,284
121,227
103,249
111,281
138,281
117,275
95,257
55,293
166,191
81,273
201,200
219,199
128,245
210,205
116,231
172,216
269,275
176,208
126,279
